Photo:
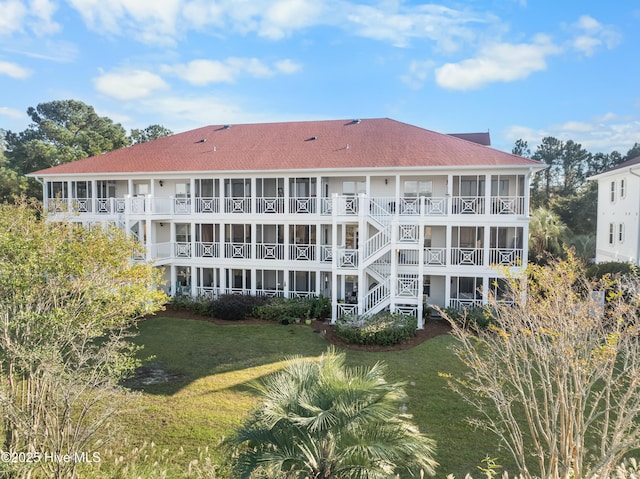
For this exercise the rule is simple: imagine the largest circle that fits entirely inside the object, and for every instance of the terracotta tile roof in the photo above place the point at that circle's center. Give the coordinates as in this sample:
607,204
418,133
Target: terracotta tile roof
332,144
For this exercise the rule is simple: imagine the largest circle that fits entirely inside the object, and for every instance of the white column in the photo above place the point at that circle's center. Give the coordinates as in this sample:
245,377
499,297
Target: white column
334,258
192,193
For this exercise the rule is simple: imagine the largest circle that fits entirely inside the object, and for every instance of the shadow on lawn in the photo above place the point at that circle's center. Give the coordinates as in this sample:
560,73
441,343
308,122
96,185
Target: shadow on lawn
182,351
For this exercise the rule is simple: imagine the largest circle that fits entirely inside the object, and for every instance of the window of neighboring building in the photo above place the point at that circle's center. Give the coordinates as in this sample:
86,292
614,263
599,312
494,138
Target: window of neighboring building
620,233
622,188
613,191
612,233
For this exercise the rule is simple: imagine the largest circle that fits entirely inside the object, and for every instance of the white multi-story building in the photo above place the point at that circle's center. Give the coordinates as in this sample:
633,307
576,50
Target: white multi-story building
618,224
375,214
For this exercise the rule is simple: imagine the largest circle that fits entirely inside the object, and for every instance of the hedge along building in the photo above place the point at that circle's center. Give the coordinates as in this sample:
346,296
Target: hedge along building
375,214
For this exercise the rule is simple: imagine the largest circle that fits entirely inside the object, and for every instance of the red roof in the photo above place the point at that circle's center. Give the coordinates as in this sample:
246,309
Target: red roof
332,144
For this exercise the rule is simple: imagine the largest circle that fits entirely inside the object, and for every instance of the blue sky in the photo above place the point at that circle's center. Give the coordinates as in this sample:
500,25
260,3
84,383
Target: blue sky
518,68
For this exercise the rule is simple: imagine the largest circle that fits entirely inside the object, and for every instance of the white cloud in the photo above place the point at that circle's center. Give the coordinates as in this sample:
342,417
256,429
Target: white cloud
203,72
14,70
288,67
417,73
12,113
398,24
504,62
13,14
590,35
603,133
150,21
286,16
392,21
36,17
42,12
128,85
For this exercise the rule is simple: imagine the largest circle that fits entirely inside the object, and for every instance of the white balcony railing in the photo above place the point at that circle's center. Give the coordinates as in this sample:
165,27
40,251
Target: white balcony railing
237,250
270,251
302,252
269,205
435,256
207,250
505,256
467,256
302,205
376,207
207,205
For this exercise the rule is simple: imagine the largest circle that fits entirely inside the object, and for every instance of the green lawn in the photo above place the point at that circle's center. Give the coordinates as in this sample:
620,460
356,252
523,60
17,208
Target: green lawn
209,394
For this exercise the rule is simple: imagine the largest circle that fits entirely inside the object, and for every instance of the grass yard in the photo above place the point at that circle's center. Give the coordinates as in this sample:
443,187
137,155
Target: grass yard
209,369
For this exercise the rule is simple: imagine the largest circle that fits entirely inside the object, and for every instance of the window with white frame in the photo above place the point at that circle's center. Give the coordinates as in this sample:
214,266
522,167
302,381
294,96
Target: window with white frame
612,233
415,188
620,233
622,188
613,191
352,188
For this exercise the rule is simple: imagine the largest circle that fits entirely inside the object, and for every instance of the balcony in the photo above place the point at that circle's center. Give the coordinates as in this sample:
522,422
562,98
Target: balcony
341,205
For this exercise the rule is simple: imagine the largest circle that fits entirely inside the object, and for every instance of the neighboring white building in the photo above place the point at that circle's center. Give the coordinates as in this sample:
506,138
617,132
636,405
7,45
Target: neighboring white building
375,214
618,224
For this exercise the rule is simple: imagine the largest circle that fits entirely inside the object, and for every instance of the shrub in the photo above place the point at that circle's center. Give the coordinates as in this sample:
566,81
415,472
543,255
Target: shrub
235,307
292,309
477,317
598,270
198,305
382,329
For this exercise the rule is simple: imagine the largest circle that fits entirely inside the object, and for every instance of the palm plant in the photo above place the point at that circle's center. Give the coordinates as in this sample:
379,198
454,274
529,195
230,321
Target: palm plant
546,233
323,420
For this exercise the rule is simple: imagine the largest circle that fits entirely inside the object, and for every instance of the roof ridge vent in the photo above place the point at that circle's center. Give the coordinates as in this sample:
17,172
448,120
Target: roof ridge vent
226,127
357,120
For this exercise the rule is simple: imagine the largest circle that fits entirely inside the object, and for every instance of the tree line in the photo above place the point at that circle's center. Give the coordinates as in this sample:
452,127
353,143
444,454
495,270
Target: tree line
61,132
563,200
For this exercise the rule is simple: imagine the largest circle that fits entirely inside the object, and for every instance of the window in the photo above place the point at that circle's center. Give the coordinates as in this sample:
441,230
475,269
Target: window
302,187
620,233
182,190
183,232
415,188
351,188
426,285
206,188
237,188
428,236
106,188
499,187
57,189
613,191
622,188
82,189
468,186
612,229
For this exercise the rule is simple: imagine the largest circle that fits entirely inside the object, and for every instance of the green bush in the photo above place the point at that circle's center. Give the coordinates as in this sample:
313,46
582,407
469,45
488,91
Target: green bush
475,317
235,307
293,309
598,270
198,305
382,329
